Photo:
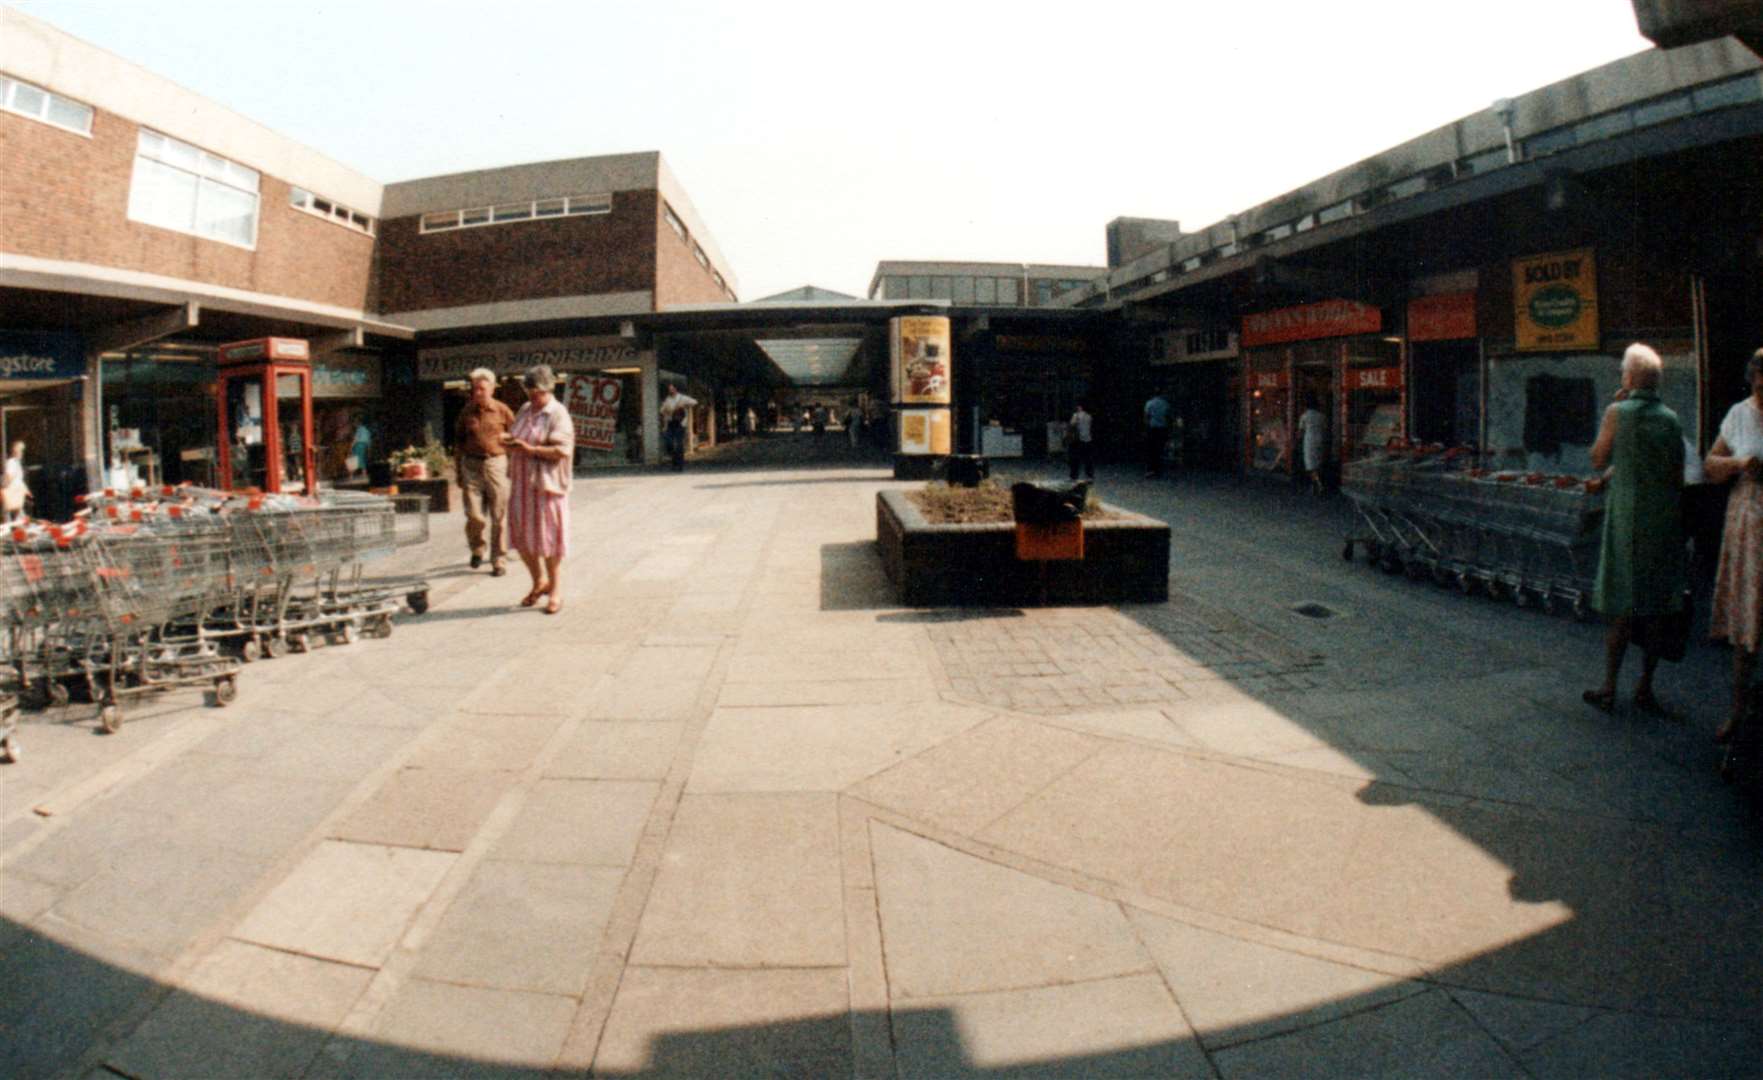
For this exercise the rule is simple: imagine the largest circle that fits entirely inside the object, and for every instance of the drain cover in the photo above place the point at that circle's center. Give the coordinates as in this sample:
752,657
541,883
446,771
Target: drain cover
1315,611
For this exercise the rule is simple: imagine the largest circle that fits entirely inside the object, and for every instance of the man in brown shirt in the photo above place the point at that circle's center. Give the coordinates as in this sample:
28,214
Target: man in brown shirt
483,471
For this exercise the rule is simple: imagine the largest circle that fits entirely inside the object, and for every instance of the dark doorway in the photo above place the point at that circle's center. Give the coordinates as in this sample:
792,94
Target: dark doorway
1445,392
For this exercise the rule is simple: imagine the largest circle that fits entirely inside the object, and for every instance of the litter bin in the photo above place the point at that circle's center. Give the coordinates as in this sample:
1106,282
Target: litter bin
1032,504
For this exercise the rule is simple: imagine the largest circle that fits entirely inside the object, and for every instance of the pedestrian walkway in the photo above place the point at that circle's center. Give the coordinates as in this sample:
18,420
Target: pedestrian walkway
734,812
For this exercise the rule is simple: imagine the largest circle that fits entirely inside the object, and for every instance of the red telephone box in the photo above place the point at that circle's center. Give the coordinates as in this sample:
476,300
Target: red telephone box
264,396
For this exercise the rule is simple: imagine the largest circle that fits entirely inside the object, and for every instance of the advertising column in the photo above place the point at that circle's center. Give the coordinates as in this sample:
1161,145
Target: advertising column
918,348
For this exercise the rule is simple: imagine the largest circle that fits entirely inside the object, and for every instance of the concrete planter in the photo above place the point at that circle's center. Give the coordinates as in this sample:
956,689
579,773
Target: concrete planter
1126,560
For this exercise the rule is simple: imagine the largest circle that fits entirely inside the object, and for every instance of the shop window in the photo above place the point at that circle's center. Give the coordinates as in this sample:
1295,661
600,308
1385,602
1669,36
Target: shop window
176,186
44,105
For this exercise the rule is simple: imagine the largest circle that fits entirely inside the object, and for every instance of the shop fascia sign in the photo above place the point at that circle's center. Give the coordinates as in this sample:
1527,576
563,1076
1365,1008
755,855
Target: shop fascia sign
346,376
514,357
1192,346
26,354
1442,317
1329,318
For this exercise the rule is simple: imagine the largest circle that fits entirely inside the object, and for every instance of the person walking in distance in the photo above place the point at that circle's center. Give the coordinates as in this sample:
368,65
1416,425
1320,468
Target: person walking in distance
1313,440
1078,447
1157,413
483,472
676,409
13,492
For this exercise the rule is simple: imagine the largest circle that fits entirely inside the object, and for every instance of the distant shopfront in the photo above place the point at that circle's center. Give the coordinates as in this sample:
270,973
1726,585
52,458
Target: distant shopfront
600,377
1333,356
41,389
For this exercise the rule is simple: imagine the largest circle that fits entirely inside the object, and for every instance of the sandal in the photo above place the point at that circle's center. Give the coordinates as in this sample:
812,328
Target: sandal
533,597
554,606
1600,700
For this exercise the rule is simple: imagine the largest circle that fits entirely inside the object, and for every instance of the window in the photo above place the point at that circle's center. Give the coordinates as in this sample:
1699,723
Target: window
1190,264
1043,293
1602,127
446,219
918,287
1548,142
941,289
985,290
1335,213
177,186
1654,112
963,290
1305,223
1486,161
512,212
40,104
1402,189
476,216
1278,232
1731,92
549,207
602,204
673,222
698,253
1008,292
301,199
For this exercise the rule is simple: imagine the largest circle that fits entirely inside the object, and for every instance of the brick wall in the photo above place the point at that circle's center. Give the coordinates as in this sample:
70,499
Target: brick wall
679,277
521,260
66,197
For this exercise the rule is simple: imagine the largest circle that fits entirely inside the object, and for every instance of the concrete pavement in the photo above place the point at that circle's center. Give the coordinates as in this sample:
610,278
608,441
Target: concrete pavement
735,813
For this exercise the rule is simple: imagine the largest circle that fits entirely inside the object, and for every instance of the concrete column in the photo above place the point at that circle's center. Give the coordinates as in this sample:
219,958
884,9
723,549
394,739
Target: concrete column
90,431
651,406
710,427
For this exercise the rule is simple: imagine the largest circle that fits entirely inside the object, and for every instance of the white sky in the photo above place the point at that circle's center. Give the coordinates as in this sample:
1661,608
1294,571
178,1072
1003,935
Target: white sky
816,138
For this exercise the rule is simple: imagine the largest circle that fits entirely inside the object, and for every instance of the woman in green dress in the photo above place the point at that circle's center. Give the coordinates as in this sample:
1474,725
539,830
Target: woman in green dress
1640,565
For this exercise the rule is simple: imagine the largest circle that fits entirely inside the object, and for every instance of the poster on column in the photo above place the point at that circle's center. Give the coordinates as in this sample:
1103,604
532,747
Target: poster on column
924,431
921,360
592,401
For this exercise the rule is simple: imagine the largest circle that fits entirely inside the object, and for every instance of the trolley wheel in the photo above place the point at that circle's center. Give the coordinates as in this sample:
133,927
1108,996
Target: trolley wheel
298,643
347,634
275,647
418,601
110,717
1580,610
226,688
1521,596
56,692
380,627
10,751
1347,551
250,651
1465,583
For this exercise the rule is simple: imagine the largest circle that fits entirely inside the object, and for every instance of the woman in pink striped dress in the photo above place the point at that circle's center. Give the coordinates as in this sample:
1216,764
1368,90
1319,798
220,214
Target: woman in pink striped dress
541,449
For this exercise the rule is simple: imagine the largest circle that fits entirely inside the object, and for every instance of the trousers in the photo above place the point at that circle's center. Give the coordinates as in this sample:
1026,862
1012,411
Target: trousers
484,484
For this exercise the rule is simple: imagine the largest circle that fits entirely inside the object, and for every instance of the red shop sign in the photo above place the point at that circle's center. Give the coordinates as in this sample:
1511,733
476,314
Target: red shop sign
1446,317
1330,318
1269,380
1372,378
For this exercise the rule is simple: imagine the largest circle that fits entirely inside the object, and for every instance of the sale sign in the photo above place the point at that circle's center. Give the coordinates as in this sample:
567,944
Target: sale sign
592,401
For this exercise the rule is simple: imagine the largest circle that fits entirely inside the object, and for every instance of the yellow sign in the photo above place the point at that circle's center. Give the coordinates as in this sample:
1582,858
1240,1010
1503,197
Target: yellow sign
1555,301
920,352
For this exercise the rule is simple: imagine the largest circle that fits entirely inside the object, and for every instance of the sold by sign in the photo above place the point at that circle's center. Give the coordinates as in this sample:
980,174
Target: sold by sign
1555,301
592,401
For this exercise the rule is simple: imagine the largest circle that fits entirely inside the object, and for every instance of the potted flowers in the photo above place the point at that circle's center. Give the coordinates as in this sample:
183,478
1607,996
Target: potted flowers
420,462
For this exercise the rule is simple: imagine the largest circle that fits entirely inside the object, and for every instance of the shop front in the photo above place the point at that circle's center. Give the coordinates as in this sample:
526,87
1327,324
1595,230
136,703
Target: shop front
1444,367
1329,356
347,399
1199,371
606,382
41,387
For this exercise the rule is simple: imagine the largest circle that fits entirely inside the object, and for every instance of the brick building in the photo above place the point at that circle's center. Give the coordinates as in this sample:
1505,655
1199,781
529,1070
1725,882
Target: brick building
141,225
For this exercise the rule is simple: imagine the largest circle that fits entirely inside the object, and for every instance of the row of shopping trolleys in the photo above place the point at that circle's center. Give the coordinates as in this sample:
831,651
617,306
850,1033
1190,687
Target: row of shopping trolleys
148,591
1436,513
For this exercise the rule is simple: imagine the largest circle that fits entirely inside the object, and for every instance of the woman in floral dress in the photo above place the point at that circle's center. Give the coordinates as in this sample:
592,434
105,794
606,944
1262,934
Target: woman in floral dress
1738,585
541,449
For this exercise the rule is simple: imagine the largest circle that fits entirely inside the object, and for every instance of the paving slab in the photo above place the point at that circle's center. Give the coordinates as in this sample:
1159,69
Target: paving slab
684,1022
438,1029
1146,725
817,748
1245,727
160,895
438,809
824,691
1420,1036
1016,758
346,902
1125,1027
1628,1047
953,923
618,750
654,683
304,749
1236,991
244,1011
747,880
64,986
1521,1023
505,743
584,822
550,679
523,926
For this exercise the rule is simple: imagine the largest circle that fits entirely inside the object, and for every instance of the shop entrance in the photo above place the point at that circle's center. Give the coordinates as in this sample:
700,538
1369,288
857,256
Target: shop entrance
44,419
1446,392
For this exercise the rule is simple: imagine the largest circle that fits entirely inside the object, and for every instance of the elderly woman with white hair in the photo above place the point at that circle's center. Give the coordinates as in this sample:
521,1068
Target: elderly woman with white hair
1738,584
1640,564
541,447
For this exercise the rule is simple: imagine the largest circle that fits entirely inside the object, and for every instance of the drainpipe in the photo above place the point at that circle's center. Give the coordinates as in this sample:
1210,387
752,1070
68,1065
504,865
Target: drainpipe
1505,110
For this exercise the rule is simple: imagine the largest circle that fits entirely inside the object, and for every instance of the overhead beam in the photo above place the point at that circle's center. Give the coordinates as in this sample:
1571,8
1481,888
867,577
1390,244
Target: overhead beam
133,333
325,344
